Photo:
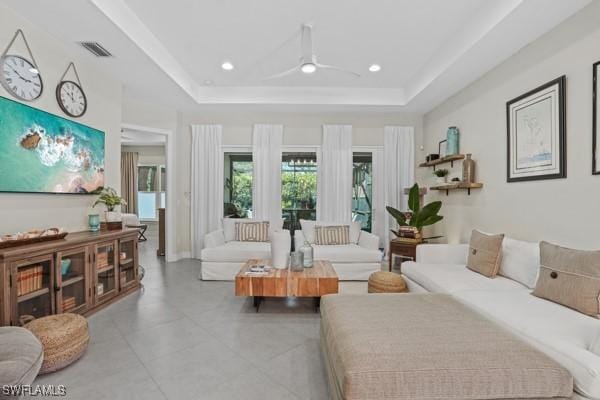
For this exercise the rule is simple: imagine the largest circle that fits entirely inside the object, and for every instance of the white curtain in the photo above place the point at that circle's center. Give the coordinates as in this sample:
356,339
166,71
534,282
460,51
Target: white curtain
334,176
207,183
399,162
266,177
379,212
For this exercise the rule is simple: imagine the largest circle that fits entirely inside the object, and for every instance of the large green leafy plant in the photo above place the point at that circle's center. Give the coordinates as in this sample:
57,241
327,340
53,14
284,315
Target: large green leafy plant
110,199
418,217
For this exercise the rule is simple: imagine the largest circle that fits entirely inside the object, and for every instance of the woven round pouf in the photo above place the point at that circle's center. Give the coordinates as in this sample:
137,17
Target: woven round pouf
386,282
64,338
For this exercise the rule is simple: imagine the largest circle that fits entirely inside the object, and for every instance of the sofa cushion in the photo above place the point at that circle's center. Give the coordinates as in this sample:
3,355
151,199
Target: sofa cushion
348,253
485,253
570,277
21,356
229,226
449,278
237,252
252,231
429,346
331,235
565,335
308,229
520,261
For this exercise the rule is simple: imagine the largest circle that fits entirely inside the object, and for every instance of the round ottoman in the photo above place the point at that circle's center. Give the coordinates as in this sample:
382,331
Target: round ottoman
64,338
386,282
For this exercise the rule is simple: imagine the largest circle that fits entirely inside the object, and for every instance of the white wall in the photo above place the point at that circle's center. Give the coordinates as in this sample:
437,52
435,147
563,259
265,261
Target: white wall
299,129
565,211
26,211
148,154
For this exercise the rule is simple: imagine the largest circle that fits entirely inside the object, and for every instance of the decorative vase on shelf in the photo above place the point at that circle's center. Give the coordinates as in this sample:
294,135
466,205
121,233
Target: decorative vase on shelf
468,169
307,250
452,136
94,222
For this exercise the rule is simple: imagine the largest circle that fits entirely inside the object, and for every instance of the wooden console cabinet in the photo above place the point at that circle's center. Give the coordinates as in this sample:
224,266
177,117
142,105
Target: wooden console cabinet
80,274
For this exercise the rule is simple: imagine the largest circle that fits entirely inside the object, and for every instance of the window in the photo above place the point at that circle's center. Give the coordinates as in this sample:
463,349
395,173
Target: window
298,188
151,190
238,185
362,189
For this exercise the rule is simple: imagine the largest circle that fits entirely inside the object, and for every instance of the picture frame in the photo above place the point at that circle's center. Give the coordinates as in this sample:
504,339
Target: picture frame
536,133
596,120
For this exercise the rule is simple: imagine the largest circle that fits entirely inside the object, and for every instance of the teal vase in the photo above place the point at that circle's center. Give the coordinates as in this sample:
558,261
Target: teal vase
94,222
453,137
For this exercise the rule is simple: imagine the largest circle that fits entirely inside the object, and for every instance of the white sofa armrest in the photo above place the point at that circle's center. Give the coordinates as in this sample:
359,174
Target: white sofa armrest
442,253
214,239
368,240
299,239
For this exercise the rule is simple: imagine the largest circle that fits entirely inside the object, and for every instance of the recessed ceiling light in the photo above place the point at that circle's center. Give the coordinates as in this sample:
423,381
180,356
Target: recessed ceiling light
209,82
227,66
308,68
34,71
375,68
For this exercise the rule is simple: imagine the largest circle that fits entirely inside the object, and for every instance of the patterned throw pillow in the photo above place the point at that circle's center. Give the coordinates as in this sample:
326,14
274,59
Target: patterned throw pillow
331,235
485,253
252,231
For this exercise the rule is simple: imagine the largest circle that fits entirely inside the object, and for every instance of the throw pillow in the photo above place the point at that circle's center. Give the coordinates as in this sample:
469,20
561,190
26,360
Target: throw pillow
252,231
485,253
332,235
308,229
520,261
570,277
229,226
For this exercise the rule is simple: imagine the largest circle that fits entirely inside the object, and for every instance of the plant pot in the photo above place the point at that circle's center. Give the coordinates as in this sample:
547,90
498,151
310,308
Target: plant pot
442,179
112,216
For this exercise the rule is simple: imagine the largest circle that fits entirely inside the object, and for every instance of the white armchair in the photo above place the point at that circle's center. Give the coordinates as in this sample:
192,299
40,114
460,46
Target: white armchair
223,256
352,262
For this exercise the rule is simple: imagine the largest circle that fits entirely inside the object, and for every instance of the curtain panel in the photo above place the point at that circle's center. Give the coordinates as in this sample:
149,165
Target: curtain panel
267,141
207,183
129,181
399,172
334,174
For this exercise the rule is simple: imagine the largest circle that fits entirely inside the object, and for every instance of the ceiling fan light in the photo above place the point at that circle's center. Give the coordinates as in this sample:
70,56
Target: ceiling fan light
308,68
227,65
375,68
34,70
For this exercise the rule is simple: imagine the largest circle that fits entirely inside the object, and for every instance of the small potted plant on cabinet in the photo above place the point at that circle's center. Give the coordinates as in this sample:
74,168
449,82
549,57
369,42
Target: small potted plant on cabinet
442,175
111,200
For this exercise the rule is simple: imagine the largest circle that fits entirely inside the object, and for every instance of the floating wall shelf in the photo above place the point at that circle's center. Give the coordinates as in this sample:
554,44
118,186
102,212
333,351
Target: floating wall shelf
457,186
443,160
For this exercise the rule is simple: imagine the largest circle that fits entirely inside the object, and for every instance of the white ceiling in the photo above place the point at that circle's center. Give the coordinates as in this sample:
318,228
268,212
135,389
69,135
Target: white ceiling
428,49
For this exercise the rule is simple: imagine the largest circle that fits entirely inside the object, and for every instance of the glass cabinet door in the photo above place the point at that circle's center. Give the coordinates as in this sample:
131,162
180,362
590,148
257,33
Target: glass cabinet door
105,282
33,289
72,277
127,263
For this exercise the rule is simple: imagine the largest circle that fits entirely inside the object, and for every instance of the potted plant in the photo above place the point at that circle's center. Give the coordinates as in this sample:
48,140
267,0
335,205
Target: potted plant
110,199
418,217
442,175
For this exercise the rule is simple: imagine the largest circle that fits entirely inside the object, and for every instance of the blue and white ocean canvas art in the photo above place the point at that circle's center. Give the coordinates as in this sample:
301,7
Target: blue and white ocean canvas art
44,153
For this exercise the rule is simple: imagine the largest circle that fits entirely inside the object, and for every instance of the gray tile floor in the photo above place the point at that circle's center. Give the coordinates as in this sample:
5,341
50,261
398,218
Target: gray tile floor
182,338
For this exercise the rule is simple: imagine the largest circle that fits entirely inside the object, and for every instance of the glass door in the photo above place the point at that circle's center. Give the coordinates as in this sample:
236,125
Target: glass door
127,264
72,268
33,289
298,188
105,279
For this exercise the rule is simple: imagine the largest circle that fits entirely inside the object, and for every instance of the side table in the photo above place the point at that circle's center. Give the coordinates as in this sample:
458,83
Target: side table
403,250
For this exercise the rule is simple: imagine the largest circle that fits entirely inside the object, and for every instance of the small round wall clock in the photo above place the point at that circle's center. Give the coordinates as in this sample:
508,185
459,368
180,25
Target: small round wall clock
20,76
70,95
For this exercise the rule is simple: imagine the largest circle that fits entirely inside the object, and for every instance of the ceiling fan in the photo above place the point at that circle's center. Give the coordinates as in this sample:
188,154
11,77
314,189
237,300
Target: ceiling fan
308,61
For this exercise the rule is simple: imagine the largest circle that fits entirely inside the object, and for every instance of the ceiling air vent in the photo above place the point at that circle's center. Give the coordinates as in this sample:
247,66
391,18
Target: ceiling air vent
96,49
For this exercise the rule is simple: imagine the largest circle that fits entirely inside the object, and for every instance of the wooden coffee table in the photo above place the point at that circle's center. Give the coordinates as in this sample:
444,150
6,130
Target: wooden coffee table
314,282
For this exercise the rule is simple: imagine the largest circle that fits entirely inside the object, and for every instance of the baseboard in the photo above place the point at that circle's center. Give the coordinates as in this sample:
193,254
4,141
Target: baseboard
183,254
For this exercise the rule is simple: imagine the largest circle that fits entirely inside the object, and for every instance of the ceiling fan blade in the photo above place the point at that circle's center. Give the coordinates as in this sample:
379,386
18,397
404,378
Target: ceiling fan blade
284,73
306,43
332,67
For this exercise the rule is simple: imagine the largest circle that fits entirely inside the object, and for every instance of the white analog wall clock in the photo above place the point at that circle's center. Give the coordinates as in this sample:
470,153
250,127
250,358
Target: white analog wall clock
70,95
20,76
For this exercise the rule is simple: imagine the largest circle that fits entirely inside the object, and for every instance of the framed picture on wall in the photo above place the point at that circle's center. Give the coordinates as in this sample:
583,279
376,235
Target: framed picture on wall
596,122
536,133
